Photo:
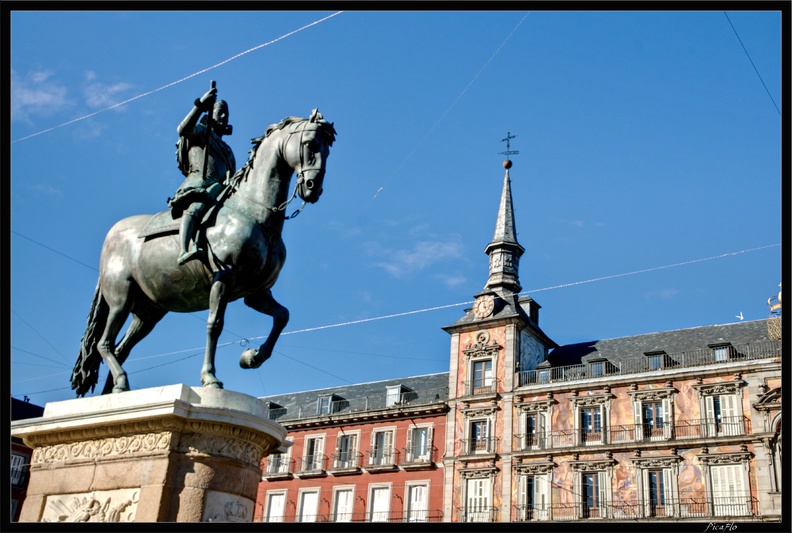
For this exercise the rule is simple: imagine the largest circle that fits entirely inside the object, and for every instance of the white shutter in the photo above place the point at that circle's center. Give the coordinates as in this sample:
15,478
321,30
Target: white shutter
728,403
668,418
522,498
541,497
380,504
478,500
309,502
412,450
343,505
668,494
602,480
728,490
639,420
426,453
711,425
541,431
417,504
275,507
387,447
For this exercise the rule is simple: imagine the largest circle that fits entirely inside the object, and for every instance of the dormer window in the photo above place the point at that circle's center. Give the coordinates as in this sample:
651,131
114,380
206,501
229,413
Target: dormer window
333,403
655,360
398,394
276,410
721,352
597,368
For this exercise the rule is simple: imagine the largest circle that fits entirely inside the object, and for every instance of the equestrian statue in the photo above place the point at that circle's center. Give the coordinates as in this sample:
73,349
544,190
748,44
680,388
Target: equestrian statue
219,241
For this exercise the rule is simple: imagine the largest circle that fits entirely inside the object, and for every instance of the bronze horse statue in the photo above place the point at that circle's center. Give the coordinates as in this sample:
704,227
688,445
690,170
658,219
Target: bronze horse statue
139,275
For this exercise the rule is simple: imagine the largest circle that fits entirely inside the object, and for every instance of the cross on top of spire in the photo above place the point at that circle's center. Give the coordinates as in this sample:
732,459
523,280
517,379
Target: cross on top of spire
509,151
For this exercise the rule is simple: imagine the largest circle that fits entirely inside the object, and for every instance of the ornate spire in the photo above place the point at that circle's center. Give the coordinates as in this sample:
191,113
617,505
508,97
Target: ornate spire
504,251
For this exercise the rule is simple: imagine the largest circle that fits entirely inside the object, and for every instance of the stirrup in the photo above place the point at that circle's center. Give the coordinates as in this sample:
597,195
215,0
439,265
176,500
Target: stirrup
189,256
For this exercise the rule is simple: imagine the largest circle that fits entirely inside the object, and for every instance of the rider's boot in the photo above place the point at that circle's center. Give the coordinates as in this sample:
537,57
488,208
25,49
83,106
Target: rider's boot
185,234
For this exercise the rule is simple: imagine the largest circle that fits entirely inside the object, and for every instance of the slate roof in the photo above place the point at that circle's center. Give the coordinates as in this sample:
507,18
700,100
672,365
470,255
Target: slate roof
426,388
671,342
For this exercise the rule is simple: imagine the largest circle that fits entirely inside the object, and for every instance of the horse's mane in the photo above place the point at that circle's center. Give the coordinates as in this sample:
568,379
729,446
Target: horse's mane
326,129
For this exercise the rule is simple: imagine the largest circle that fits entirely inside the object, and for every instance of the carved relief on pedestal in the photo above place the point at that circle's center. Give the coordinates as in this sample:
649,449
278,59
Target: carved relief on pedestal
222,507
134,444
98,506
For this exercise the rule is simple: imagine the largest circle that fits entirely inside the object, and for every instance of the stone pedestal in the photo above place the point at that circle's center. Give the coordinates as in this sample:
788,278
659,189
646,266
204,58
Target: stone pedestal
165,454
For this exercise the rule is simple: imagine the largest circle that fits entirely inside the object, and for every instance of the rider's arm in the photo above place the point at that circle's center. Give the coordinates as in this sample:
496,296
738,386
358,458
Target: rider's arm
204,103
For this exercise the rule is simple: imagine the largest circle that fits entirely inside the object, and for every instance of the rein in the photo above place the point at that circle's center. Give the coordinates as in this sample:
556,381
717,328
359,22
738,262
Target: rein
300,180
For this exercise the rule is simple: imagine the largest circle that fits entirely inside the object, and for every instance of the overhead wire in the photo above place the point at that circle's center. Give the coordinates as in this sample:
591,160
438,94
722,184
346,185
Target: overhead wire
185,78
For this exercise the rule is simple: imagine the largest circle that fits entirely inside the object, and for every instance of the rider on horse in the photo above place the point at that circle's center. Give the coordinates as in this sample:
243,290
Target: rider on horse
205,170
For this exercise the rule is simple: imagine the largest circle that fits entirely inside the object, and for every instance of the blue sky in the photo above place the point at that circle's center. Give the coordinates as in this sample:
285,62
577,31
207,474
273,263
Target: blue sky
647,188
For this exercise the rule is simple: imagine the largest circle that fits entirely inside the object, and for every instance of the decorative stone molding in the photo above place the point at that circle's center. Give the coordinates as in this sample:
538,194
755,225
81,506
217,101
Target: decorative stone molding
769,400
591,400
477,412
147,444
724,458
538,405
648,395
592,465
656,461
482,347
108,431
534,468
722,387
478,473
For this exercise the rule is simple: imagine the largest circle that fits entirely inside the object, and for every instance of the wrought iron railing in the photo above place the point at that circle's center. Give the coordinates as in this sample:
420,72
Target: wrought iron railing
346,460
311,463
478,387
419,454
690,359
278,464
417,515
733,505
386,456
477,513
631,433
479,446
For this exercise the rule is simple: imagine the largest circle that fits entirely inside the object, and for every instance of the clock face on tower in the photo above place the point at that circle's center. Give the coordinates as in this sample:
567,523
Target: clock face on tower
484,306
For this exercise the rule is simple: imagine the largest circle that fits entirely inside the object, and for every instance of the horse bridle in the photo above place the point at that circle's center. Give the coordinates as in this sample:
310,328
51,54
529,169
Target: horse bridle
300,177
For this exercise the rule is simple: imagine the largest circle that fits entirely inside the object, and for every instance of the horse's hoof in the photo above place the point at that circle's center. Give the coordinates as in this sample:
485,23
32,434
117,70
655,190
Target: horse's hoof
248,359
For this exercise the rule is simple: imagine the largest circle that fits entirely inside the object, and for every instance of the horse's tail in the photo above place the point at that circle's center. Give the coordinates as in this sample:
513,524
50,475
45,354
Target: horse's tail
86,369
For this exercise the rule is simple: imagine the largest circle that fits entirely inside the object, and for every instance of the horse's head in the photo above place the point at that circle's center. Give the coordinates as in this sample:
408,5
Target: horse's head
307,150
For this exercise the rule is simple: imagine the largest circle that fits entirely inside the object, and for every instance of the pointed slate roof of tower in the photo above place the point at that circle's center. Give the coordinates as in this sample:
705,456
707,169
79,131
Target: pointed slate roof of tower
504,250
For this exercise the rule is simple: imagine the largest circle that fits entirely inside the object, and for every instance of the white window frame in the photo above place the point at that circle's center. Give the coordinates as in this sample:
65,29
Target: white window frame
727,473
415,453
669,466
268,509
542,411
603,469
665,397
317,462
416,501
393,395
347,513
351,440
388,455
538,509
302,516
729,394
594,401
283,466
478,499
379,507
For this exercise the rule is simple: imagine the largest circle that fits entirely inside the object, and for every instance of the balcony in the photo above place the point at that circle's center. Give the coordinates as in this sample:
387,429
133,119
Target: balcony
382,459
347,462
481,387
312,465
721,507
636,433
697,358
419,457
479,446
417,515
478,513
278,467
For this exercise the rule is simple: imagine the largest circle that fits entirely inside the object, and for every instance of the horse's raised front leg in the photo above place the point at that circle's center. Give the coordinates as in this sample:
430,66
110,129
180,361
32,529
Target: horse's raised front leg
218,301
263,302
